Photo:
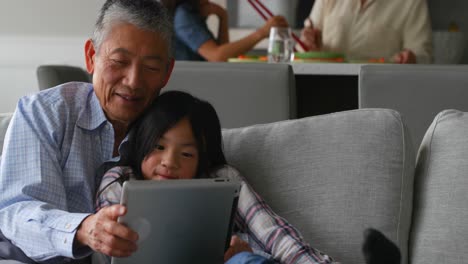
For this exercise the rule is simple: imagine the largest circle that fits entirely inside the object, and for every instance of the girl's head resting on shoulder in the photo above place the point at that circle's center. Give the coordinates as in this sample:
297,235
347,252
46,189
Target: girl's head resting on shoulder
178,137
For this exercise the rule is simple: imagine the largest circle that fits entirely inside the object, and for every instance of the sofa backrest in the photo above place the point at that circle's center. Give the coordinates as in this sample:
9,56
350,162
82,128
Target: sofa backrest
440,221
332,176
243,94
418,92
4,121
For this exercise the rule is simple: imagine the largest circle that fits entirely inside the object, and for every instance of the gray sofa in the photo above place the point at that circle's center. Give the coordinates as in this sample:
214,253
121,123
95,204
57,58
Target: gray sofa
334,175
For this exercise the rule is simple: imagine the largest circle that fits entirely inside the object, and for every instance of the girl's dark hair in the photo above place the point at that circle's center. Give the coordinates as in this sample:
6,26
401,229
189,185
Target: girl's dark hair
168,109
172,4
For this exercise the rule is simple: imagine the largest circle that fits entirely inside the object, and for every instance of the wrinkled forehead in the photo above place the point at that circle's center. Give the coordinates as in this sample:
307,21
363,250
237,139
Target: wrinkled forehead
135,41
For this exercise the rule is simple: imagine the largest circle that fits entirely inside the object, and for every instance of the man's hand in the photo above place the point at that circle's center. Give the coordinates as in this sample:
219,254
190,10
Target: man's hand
102,233
312,37
404,56
237,245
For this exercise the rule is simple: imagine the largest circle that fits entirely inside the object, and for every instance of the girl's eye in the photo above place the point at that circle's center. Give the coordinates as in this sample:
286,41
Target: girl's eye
159,147
187,154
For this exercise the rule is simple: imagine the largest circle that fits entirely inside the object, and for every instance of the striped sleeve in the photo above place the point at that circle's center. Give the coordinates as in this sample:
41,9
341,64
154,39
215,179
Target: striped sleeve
110,190
269,231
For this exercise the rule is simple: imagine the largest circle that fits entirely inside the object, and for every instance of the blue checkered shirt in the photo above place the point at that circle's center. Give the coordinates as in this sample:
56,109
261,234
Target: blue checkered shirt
56,142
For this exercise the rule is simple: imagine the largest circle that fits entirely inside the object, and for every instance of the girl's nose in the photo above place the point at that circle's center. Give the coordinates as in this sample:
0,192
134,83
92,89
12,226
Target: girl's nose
169,161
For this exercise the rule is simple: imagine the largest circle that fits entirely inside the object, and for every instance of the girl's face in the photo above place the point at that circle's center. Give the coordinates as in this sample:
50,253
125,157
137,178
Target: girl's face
175,156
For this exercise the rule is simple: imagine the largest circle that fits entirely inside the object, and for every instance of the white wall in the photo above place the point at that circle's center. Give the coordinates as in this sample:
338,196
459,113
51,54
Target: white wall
35,32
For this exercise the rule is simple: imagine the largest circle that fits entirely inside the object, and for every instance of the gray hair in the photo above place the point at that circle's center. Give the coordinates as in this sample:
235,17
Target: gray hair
145,14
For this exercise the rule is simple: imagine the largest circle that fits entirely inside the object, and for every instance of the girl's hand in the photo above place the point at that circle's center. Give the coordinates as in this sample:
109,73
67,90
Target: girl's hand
237,245
208,8
275,21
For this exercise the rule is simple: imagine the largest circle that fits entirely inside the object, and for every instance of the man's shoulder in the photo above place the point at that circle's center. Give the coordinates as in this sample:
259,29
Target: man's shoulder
68,94
65,99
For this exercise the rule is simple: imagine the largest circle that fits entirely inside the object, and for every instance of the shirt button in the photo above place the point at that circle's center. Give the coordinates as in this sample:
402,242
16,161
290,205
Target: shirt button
67,226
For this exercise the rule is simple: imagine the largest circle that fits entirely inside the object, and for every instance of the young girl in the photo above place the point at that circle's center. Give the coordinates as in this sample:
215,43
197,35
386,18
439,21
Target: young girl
179,137
193,39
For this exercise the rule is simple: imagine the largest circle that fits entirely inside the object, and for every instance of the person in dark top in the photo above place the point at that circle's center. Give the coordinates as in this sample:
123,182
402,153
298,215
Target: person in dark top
193,39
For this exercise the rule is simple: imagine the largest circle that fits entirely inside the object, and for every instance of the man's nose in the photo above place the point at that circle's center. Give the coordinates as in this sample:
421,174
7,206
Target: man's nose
133,76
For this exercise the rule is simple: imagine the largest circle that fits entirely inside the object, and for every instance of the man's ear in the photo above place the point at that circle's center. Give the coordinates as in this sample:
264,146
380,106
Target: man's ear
90,52
170,67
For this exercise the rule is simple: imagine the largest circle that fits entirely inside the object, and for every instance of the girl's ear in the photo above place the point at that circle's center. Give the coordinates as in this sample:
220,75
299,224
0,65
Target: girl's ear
90,53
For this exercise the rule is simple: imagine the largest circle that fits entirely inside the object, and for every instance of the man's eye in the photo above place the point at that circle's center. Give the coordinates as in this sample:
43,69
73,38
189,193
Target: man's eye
152,68
119,62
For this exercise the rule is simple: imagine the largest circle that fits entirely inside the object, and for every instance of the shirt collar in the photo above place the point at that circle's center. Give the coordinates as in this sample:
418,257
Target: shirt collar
93,116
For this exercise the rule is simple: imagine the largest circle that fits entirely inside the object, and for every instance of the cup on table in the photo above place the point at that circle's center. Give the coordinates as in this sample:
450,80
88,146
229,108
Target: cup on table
280,45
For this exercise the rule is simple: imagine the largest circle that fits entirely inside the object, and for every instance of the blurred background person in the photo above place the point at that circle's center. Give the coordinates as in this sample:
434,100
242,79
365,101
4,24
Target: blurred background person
398,31
193,39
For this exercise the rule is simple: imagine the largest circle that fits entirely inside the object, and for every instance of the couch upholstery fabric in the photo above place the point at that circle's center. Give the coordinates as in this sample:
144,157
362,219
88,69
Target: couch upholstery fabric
439,229
332,176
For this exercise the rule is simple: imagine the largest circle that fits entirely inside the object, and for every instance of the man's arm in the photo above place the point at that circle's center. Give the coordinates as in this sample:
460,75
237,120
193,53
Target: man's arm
33,200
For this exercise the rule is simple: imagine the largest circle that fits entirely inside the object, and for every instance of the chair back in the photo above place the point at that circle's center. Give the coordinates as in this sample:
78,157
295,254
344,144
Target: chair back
53,75
242,93
418,92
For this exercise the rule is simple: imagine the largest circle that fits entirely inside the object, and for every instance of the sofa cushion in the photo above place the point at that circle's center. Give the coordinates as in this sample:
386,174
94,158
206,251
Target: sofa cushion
332,176
4,121
440,222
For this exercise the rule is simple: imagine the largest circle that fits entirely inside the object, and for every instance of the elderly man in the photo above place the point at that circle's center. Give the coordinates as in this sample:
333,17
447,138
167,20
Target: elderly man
58,139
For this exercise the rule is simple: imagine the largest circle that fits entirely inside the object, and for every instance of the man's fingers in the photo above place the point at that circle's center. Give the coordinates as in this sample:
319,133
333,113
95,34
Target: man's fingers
103,233
110,251
117,244
121,231
114,211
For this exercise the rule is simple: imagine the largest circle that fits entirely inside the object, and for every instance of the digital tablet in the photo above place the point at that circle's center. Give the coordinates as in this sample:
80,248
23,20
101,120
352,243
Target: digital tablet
180,221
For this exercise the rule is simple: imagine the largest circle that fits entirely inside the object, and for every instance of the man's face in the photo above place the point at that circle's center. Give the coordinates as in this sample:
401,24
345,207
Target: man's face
129,70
